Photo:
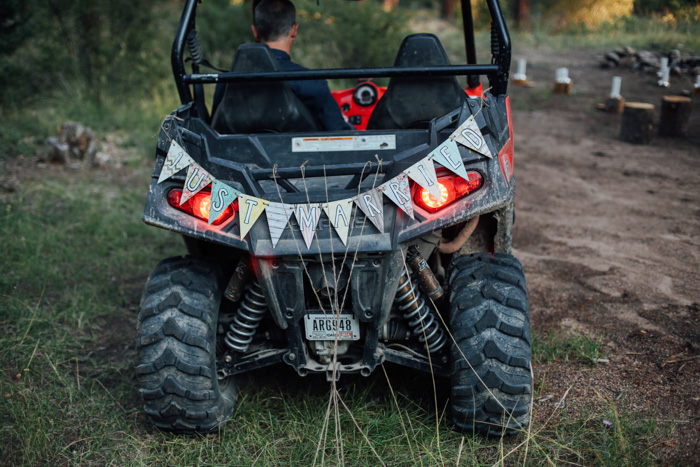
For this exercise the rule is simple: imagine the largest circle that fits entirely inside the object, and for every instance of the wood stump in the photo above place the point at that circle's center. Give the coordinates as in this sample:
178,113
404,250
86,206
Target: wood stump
614,104
563,88
637,122
675,113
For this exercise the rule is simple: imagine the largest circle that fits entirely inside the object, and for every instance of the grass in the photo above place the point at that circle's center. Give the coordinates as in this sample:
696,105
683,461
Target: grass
75,259
75,256
557,347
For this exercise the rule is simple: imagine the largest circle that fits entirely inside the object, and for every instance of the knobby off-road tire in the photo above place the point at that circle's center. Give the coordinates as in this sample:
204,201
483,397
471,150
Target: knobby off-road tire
177,348
491,356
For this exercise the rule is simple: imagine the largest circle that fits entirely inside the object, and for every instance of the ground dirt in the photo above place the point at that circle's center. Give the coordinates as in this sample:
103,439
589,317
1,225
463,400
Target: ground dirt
609,236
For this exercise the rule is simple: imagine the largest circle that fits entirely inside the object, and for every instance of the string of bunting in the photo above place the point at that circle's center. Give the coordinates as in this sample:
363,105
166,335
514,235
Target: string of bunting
339,212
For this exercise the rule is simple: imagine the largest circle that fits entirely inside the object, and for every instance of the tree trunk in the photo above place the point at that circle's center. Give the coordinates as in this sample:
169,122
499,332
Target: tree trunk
448,9
637,123
675,113
521,12
389,4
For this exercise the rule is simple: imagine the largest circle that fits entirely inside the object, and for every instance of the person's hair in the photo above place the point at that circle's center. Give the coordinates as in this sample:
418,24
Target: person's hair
273,19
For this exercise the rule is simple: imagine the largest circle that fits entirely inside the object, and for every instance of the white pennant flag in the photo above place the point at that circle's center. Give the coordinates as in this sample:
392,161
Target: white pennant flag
339,213
469,135
222,196
250,209
399,191
447,155
197,179
278,215
176,160
372,205
423,173
307,217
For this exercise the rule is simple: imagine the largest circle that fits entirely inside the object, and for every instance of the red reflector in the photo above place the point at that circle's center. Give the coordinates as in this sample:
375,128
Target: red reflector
199,205
452,188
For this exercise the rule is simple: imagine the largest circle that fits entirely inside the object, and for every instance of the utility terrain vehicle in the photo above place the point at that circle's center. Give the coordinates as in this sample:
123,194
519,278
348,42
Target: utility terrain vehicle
335,253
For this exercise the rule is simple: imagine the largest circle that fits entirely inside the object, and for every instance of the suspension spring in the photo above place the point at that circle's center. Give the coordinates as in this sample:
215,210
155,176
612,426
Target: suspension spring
195,47
247,319
420,319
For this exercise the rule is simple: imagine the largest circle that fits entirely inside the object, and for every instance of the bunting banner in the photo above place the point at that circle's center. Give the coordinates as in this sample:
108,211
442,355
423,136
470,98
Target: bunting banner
222,196
468,134
197,179
250,209
447,155
278,215
399,191
176,160
307,217
371,203
339,213
423,173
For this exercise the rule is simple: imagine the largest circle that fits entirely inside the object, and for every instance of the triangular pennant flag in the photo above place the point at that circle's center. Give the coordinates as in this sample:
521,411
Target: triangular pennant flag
339,213
307,216
250,208
222,196
372,205
423,173
176,160
277,218
399,191
469,135
197,178
447,155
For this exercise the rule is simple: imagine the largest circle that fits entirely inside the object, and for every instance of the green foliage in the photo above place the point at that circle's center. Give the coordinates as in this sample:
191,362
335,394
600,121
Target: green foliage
223,25
348,34
648,7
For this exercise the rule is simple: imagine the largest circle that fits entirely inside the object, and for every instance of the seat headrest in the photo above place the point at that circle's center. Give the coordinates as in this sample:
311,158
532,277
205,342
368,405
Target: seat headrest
260,106
421,50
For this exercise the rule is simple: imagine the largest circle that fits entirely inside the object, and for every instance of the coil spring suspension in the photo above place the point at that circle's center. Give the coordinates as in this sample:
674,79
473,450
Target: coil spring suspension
420,319
195,47
247,319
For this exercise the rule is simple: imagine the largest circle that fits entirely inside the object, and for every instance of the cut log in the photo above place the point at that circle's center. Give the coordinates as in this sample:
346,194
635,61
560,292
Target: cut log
675,113
637,122
614,104
563,88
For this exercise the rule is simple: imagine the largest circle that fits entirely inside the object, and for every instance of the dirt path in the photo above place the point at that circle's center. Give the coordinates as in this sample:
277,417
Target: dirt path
609,235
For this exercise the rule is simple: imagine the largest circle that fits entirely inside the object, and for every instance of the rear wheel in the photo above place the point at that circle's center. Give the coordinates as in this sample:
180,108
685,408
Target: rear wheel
177,348
491,356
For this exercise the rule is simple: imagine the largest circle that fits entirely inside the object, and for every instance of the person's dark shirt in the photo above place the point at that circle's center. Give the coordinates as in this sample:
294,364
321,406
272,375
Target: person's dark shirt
314,94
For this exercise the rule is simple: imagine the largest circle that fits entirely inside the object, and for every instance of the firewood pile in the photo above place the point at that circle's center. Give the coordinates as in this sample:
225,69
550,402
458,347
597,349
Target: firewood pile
647,61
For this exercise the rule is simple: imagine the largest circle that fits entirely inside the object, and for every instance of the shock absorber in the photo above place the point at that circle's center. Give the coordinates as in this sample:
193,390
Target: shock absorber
247,319
420,319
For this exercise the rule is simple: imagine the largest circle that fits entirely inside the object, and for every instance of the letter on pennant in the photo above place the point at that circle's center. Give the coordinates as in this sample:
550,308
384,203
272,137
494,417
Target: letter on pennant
307,217
469,135
339,213
399,191
423,173
250,209
176,160
197,179
447,155
372,205
222,196
278,215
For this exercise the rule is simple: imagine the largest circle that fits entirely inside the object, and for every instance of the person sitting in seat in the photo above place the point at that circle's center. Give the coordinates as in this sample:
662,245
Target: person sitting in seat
274,24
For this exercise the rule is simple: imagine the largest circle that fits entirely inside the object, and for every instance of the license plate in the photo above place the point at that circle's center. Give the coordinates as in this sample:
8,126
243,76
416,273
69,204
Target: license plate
325,327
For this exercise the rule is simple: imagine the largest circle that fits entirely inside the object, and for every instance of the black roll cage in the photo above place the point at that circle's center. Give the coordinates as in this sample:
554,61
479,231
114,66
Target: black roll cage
497,71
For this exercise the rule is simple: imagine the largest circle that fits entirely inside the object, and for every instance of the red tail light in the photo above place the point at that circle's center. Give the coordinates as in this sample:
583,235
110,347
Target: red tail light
452,188
199,205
